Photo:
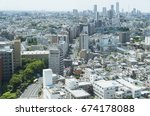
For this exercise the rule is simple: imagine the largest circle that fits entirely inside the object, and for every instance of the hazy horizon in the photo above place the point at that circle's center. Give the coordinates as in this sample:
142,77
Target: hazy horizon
68,5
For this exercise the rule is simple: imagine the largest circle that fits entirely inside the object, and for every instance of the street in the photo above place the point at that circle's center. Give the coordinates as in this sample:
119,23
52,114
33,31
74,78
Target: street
32,90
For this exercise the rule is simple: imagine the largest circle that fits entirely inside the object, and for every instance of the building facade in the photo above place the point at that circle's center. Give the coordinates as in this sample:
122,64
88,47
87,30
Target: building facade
84,42
7,63
56,60
124,37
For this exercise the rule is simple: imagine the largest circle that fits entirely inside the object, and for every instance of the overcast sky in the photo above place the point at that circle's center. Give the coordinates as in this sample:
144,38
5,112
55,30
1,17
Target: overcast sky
65,5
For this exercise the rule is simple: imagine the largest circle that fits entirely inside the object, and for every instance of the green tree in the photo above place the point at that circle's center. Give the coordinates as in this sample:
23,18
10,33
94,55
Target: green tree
15,82
8,95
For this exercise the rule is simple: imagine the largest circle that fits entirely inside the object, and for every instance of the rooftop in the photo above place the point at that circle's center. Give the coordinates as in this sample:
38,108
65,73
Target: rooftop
106,84
128,84
79,93
34,52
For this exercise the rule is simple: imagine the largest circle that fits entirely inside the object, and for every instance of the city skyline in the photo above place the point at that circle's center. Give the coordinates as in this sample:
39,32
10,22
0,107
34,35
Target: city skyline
68,5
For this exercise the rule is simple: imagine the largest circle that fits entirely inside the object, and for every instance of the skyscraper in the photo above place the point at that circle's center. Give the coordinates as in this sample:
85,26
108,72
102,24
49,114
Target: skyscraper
95,13
84,41
104,12
56,60
117,8
112,10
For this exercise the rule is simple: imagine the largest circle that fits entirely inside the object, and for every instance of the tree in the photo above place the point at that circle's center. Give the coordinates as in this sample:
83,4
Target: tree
8,95
23,78
15,82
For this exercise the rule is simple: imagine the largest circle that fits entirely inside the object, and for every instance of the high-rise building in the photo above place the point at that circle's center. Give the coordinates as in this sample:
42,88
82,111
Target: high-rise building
85,29
110,14
6,63
113,10
117,8
16,44
84,41
95,13
124,37
56,60
104,12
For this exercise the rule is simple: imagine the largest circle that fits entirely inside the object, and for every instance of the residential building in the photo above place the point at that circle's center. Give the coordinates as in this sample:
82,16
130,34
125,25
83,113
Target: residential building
84,41
7,63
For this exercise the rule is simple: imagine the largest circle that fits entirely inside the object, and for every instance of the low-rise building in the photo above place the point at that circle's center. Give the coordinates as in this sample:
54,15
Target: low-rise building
136,91
105,89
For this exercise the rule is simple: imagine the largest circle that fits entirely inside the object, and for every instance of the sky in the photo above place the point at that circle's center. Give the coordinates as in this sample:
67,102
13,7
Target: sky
68,5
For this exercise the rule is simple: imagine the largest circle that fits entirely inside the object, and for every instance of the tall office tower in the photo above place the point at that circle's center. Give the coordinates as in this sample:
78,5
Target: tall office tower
110,14
104,12
117,8
7,64
95,13
124,37
113,10
84,41
56,60
16,45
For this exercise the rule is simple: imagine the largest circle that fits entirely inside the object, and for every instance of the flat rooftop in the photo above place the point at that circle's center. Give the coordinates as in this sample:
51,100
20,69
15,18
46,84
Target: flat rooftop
107,84
79,93
128,84
34,52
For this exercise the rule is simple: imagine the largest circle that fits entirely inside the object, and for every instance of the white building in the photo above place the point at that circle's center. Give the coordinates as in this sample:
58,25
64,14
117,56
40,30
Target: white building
91,75
72,83
47,77
105,89
50,89
147,40
78,94
136,91
84,42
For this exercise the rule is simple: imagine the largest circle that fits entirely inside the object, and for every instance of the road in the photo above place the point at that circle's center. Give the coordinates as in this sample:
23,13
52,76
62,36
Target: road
32,90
